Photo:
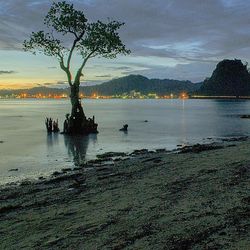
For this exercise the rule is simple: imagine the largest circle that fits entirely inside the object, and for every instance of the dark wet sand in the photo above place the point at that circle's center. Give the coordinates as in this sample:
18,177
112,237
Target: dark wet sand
148,201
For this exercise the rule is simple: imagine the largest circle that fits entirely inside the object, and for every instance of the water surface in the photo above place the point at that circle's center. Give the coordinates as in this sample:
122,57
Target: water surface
27,146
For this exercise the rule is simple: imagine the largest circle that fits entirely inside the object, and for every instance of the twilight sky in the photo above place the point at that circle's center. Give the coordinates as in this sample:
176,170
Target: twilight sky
178,39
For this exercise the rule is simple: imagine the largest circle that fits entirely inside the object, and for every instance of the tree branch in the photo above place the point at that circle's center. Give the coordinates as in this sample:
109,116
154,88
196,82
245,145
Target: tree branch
73,46
65,69
79,72
71,53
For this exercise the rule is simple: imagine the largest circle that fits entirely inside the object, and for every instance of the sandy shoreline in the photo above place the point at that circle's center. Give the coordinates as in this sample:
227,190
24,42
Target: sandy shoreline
152,200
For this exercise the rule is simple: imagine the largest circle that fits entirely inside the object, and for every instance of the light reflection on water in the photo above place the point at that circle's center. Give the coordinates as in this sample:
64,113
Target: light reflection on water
170,122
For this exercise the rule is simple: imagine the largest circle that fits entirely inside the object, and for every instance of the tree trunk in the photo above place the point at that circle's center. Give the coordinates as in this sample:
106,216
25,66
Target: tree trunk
77,110
77,122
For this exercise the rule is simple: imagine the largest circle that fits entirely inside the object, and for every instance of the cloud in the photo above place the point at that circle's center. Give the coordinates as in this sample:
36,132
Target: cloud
2,72
91,82
195,72
122,68
47,84
191,32
55,83
61,82
104,76
194,29
170,28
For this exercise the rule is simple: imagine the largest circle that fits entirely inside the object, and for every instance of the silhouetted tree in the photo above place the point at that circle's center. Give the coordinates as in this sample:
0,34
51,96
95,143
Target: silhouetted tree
88,39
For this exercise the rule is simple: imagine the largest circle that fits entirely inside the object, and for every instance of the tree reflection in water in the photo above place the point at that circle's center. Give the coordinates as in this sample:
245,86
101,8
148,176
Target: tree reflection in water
52,139
77,147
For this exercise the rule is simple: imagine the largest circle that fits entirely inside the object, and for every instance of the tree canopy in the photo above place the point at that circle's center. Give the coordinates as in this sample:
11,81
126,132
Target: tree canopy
89,39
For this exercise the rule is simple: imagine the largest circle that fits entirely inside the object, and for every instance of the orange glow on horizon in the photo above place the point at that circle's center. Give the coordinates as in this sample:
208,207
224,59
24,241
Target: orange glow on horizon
24,83
20,85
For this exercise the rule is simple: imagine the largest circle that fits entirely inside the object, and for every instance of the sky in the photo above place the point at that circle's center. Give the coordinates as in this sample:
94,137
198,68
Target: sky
175,39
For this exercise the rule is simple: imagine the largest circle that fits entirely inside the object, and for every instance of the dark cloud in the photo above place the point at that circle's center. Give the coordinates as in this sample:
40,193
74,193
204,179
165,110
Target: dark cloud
190,32
91,82
61,82
191,29
122,68
48,84
2,72
57,83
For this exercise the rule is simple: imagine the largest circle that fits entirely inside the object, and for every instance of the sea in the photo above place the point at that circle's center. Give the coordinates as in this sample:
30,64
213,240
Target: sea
28,152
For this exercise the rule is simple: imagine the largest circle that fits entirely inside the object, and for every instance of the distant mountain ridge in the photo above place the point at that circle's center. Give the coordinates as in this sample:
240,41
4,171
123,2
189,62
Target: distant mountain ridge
230,78
141,84
119,86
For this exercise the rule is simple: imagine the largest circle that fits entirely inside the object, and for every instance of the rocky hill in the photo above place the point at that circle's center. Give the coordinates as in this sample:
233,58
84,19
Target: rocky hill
230,78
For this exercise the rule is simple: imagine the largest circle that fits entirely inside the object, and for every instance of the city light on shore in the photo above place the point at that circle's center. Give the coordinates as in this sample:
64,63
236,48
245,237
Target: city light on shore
131,95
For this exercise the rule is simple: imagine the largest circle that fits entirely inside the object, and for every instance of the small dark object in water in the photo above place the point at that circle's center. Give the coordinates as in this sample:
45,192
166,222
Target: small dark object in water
13,170
52,126
1,141
146,121
245,116
66,124
125,128
49,123
55,126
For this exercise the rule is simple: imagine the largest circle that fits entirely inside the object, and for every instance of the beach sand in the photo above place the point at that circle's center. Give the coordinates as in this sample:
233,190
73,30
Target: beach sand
151,200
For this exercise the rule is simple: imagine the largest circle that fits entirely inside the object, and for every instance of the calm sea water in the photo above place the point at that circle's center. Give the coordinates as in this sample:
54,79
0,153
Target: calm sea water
27,146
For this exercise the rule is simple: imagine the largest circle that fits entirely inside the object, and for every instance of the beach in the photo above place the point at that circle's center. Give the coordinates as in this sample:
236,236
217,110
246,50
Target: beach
194,198
124,125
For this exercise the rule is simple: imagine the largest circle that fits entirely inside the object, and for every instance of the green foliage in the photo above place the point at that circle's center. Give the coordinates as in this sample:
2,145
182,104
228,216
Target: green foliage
44,43
62,17
102,39
90,39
